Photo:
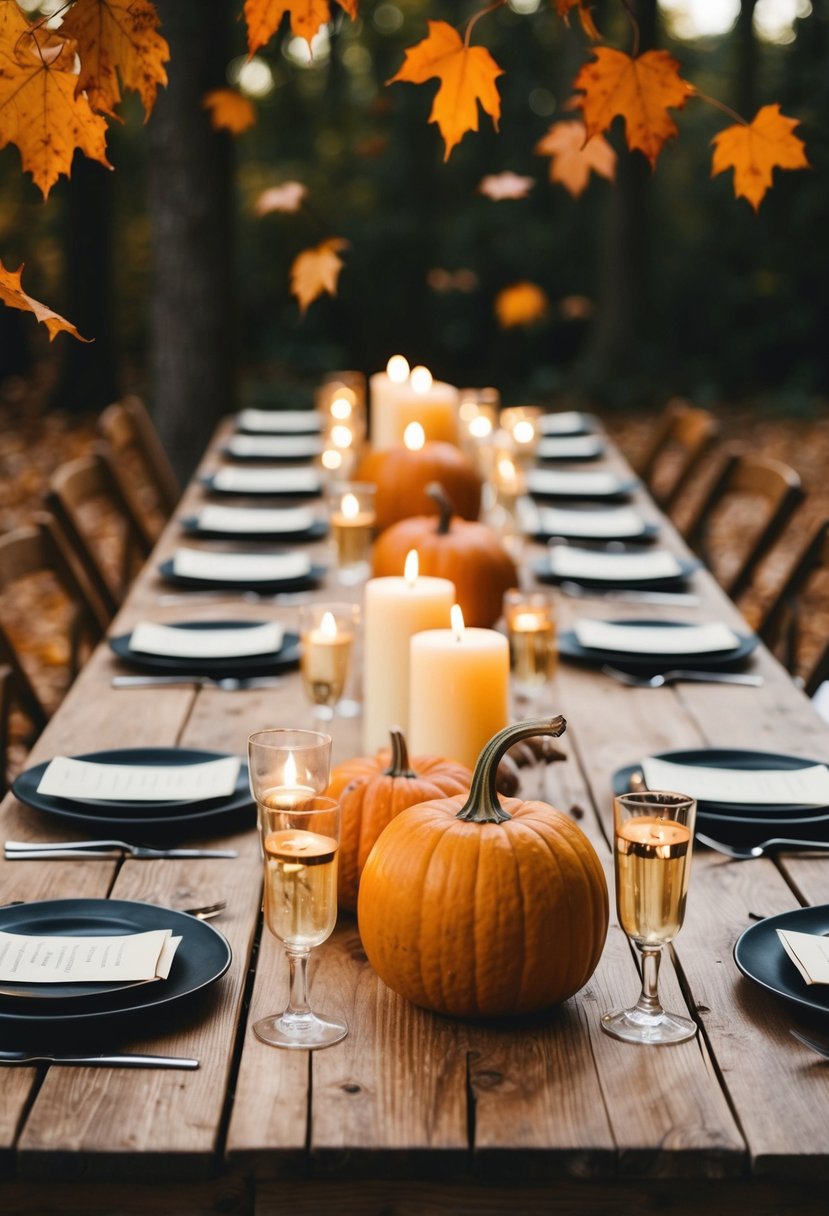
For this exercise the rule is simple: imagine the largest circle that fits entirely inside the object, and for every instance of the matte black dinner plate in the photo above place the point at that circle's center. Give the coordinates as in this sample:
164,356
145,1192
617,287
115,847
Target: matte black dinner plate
554,458
284,659
759,954
314,426
571,648
296,495
687,566
649,532
202,957
621,489
583,424
261,458
268,586
317,531
140,821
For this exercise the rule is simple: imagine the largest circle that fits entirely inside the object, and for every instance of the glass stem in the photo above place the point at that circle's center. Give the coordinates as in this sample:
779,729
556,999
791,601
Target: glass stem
648,1002
298,1008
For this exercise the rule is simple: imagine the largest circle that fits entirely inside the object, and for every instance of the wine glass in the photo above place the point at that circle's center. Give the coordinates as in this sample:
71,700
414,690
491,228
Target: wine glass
326,633
287,767
653,838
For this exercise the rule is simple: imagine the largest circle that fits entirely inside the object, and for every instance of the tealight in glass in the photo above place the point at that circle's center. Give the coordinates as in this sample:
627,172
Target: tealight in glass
521,423
326,633
531,630
352,516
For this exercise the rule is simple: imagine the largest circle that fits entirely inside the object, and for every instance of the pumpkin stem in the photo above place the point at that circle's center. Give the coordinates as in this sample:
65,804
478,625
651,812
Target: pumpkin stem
445,505
399,766
483,805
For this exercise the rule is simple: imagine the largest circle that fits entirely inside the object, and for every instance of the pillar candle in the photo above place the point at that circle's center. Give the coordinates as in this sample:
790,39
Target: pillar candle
396,402
385,388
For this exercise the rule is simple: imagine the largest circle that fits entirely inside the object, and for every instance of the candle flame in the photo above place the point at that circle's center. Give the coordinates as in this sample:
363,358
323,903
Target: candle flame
289,775
480,427
328,627
332,459
523,431
421,380
456,620
468,410
340,408
341,436
411,567
414,437
397,369
506,469
350,506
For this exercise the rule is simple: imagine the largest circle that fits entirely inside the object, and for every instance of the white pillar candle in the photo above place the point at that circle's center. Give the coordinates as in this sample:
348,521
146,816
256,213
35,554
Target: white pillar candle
399,397
385,388
459,690
395,609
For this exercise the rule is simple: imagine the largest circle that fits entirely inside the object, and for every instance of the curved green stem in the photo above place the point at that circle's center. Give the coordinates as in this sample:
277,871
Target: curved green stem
445,505
483,804
399,766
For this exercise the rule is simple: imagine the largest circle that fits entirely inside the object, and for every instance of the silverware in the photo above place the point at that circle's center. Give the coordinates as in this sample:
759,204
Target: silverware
677,598
171,599
745,853
27,850
201,912
225,683
690,677
821,1048
103,1061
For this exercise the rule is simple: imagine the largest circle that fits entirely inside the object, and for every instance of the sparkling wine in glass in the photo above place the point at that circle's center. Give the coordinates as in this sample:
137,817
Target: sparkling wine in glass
653,838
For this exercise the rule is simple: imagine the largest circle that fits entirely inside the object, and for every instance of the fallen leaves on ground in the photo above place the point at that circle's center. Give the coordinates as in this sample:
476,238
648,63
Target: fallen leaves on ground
520,304
753,150
229,110
13,295
317,270
117,39
573,157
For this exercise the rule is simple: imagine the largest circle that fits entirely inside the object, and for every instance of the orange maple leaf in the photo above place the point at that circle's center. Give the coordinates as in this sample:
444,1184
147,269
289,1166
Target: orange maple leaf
39,109
573,158
118,38
229,110
754,149
264,18
317,270
585,16
467,76
520,304
12,294
641,90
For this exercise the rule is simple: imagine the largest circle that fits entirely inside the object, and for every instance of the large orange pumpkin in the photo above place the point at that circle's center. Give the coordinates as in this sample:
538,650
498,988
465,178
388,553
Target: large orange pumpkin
373,789
401,477
478,909
466,552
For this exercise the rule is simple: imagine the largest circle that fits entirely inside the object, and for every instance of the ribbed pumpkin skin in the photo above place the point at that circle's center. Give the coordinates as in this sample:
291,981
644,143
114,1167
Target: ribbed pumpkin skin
401,478
470,554
483,919
370,799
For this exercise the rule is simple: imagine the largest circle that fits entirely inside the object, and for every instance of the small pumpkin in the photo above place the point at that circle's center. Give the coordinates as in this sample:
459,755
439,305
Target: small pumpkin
466,552
373,789
401,477
478,909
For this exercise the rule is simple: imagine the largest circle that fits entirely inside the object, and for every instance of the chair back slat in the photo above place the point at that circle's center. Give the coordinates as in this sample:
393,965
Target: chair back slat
127,426
682,437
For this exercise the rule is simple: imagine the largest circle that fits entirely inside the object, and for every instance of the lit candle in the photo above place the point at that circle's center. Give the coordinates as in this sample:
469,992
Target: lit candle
432,403
532,635
326,652
289,794
385,388
352,522
395,609
459,690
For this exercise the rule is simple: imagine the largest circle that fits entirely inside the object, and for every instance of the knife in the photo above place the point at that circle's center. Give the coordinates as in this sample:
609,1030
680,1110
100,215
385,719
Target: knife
25,850
104,1061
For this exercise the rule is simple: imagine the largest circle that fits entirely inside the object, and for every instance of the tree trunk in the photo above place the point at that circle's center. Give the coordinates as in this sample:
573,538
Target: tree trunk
746,84
190,205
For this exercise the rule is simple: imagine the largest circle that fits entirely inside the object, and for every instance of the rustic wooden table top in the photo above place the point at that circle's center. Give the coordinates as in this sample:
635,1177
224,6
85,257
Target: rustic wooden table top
413,1112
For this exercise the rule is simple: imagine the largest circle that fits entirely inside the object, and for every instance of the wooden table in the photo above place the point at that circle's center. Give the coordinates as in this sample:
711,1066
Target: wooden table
413,1112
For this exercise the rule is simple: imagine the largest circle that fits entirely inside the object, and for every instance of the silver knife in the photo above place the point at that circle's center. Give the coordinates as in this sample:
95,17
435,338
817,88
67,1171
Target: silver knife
103,1061
28,849
226,682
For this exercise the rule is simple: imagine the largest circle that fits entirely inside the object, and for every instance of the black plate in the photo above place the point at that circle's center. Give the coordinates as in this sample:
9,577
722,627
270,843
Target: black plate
267,586
623,489
141,821
547,460
317,531
293,495
227,453
284,659
202,957
544,574
587,425
570,647
648,533
760,956
314,428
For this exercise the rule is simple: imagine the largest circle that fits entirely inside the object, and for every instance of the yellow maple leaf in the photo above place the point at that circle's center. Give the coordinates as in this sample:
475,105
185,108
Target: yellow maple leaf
39,109
12,294
520,304
264,18
641,90
229,110
317,270
573,157
754,149
563,8
467,76
118,39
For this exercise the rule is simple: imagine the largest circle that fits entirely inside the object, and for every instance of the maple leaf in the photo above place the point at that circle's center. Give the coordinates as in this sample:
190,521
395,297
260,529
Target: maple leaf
505,185
754,149
39,109
572,159
118,38
264,18
467,76
12,294
317,270
287,197
641,90
520,304
585,16
229,110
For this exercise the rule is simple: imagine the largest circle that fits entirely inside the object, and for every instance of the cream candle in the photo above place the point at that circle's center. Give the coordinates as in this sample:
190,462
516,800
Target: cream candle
395,609
459,690
385,389
432,403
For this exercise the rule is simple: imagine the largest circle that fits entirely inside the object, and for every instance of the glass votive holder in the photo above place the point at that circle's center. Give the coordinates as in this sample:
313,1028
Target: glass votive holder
531,630
326,634
352,516
342,396
521,422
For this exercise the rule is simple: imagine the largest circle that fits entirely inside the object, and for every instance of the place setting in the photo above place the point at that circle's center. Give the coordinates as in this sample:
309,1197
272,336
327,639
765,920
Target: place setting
553,448
274,449
648,645
291,483
566,423
579,484
269,573
544,523
220,650
280,422
628,568
284,525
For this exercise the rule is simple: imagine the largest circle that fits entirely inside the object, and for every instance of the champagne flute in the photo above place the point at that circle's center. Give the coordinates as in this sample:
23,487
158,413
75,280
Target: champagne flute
653,837
326,633
287,767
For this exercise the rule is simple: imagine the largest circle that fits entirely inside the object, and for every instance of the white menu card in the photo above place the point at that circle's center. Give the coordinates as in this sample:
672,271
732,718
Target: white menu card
654,639
809,952
570,447
240,567
288,447
614,524
566,422
254,519
130,958
573,484
173,642
66,777
567,561
267,481
807,786
279,422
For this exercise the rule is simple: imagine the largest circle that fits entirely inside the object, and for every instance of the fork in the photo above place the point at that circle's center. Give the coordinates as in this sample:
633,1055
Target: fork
812,1044
225,683
747,852
673,677
27,850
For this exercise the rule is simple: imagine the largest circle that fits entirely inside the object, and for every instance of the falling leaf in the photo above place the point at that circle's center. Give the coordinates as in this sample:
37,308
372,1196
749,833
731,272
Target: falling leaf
520,304
39,111
563,8
572,159
443,281
12,294
641,90
287,197
505,185
264,18
467,76
229,110
117,38
754,149
317,270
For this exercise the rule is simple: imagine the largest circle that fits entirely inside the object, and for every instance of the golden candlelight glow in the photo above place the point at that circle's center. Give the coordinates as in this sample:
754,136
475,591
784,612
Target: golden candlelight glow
397,369
523,431
341,436
468,410
341,408
480,427
414,437
456,621
328,627
411,567
350,506
506,469
421,380
290,776
332,459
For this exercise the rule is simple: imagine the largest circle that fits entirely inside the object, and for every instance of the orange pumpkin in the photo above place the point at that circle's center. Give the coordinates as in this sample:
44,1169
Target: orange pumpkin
468,553
478,909
373,789
401,477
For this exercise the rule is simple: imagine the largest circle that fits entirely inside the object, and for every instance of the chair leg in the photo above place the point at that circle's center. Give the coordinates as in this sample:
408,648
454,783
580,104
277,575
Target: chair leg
5,711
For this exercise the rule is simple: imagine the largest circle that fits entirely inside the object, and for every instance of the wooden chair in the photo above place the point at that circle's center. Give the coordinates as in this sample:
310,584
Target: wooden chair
780,625
683,436
128,429
74,489
771,481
